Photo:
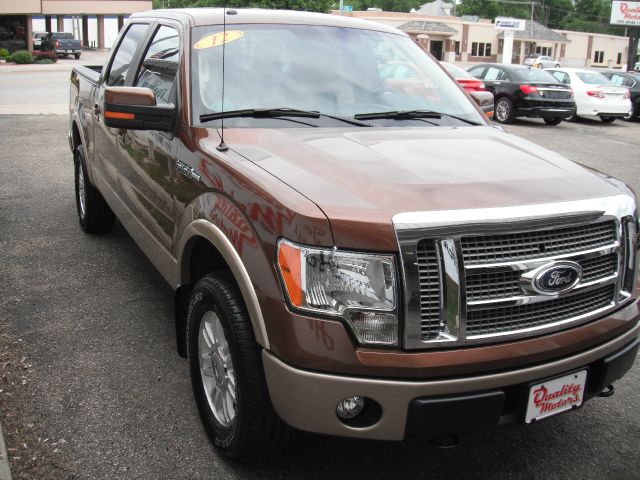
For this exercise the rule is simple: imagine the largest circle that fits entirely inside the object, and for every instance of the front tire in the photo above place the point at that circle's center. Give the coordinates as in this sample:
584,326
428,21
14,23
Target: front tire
553,120
94,214
504,111
608,119
227,374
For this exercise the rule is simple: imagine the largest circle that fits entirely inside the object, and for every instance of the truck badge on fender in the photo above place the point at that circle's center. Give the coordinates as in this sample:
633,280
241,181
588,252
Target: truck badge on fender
187,171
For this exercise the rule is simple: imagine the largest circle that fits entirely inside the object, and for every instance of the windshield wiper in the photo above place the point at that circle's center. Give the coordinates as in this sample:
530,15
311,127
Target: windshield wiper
277,112
409,115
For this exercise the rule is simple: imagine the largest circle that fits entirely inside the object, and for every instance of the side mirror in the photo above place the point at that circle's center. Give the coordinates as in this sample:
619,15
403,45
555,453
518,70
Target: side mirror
135,108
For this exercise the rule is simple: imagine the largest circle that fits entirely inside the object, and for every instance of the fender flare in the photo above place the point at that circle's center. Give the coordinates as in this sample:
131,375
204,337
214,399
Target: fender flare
210,232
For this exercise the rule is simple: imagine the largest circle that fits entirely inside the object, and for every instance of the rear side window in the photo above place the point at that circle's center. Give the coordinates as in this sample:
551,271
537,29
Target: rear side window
477,72
124,55
561,77
494,73
160,65
593,78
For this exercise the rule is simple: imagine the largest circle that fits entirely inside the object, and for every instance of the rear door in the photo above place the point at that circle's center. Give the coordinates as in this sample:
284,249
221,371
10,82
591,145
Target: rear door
117,72
147,169
496,81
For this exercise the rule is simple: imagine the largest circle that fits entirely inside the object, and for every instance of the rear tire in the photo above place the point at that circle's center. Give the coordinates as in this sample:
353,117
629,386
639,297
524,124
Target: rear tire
504,111
553,120
608,119
94,214
77,56
224,357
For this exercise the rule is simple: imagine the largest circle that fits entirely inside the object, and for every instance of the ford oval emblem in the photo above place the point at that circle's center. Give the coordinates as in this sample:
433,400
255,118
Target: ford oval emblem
552,278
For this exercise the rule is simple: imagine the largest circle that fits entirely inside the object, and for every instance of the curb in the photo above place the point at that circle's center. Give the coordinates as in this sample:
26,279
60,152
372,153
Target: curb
5,471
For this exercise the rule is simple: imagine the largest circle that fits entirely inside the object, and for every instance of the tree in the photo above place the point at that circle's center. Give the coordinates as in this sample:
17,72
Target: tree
308,5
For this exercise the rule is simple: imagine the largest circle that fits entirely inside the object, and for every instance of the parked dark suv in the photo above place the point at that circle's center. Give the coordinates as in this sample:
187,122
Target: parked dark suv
522,91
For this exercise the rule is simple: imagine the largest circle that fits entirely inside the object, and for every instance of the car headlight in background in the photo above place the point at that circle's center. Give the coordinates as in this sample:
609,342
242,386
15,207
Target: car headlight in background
359,288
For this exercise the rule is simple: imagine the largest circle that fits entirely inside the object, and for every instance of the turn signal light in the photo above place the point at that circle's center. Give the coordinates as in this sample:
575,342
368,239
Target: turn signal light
595,93
528,89
120,115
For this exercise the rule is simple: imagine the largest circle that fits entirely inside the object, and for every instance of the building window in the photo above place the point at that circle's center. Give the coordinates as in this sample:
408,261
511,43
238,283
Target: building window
545,51
598,56
457,48
480,49
619,61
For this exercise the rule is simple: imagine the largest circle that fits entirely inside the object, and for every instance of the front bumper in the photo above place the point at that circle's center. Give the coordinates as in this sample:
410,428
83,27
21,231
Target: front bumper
307,400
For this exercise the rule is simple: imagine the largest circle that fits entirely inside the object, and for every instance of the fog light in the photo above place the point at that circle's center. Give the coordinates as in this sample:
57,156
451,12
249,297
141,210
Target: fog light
350,407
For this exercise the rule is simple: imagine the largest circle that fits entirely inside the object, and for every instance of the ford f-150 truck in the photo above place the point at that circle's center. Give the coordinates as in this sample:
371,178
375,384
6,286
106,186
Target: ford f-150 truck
351,254
62,44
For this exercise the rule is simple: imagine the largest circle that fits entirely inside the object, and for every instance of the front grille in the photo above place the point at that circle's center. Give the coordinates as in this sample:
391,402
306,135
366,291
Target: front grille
504,319
429,272
505,284
544,243
462,270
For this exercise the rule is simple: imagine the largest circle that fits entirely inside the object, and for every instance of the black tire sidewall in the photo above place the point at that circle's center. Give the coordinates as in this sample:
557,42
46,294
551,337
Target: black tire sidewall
225,438
553,121
79,157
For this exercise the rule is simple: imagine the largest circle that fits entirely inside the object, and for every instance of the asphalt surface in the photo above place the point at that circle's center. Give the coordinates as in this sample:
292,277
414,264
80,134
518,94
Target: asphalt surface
95,324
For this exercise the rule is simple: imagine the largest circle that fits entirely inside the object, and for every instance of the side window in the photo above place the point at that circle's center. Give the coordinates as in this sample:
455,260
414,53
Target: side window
561,77
123,56
617,79
629,82
493,73
477,71
160,64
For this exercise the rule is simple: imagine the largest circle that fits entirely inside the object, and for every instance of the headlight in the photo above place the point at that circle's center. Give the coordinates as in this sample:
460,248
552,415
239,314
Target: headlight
360,288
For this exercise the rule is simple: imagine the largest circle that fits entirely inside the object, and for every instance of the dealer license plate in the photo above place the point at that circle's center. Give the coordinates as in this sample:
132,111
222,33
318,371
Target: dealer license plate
556,396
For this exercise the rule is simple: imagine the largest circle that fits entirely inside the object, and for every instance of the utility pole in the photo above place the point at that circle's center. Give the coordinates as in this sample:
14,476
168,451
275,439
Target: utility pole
634,34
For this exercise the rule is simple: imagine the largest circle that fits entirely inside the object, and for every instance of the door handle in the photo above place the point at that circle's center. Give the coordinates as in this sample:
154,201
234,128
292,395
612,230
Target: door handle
96,109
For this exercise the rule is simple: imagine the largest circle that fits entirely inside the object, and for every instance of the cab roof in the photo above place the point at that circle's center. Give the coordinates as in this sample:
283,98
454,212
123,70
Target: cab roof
213,16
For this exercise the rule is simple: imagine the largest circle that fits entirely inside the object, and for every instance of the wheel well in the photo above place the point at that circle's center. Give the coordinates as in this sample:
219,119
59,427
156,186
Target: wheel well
75,135
203,258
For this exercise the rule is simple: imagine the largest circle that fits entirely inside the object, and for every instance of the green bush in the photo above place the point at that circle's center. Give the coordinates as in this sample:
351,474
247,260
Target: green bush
4,53
22,57
44,61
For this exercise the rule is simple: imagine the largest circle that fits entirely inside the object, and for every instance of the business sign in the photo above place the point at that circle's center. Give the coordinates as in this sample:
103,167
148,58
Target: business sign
347,9
507,23
625,13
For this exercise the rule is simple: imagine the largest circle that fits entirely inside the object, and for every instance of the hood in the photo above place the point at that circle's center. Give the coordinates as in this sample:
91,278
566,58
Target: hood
361,178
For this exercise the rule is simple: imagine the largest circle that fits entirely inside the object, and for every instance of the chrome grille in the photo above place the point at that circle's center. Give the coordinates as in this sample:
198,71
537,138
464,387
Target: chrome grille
506,283
545,243
430,303
496,320
462,269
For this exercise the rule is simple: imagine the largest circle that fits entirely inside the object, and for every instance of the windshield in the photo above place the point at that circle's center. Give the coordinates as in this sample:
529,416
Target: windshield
535,75
593,78
333,71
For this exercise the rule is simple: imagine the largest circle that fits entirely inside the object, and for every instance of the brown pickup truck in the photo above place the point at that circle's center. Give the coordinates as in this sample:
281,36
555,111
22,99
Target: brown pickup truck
353,252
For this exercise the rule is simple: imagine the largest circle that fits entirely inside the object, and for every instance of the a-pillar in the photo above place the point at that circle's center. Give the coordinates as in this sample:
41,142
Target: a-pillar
85,31
120,22
60,21
29,37
47,23
101,31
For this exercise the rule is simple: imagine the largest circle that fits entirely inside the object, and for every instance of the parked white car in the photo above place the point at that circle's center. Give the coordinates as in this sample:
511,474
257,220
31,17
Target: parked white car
594,94
541,61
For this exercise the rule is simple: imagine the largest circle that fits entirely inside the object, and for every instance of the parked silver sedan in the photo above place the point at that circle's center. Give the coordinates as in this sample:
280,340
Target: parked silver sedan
541,61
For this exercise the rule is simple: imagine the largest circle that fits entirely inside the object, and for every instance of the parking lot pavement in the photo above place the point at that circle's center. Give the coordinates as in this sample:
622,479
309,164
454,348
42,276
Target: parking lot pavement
95,325
41,89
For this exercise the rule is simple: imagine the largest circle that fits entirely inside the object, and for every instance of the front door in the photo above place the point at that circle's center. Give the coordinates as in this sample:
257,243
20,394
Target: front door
436,48
106,150
148,156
